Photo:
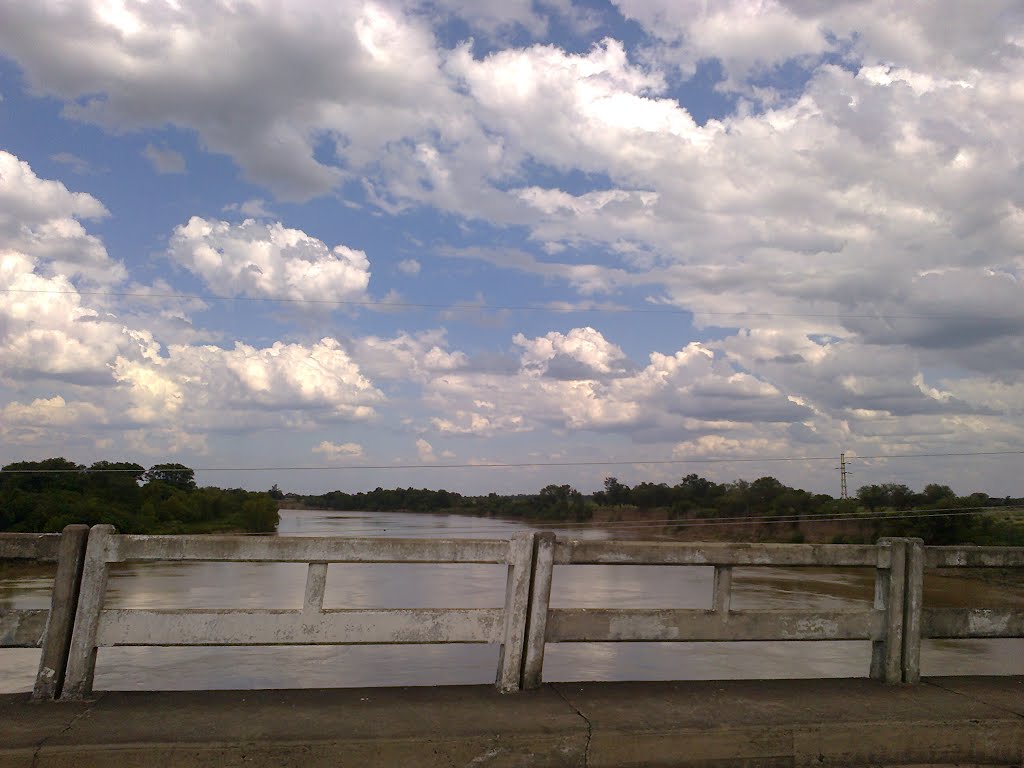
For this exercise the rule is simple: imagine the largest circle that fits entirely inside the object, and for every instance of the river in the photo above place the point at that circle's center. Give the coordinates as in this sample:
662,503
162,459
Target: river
280,585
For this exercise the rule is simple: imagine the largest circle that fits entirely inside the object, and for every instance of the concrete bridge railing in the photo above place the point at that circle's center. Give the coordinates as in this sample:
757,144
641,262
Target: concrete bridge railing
895,622
97,626
955,623
50,629
882,623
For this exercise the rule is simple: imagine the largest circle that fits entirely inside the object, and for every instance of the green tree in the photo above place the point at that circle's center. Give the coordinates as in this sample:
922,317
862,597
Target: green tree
935,494
560,502
764,491
42,476
696,488
615,492
898,495
872,496
260,514
175,475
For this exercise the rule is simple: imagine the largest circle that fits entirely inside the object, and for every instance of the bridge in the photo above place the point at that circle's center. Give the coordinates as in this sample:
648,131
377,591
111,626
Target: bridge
891,718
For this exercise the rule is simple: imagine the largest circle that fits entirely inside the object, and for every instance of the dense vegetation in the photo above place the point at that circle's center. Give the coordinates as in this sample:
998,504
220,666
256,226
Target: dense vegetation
555,502
47,495
891,509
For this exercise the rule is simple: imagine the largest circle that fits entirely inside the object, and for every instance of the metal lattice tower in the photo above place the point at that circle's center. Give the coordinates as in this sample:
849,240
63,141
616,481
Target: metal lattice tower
842,477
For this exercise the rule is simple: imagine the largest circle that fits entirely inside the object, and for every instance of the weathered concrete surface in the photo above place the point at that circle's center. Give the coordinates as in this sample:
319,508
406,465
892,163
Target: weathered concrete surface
802,723
456,725
948,721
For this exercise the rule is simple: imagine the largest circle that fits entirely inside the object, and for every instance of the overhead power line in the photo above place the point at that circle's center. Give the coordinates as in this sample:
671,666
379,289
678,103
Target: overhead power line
526,464
371,303
811,519
773,518
710,522
620,525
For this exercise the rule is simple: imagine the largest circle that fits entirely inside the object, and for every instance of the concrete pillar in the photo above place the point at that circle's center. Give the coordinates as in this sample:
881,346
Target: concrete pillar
517,604
540,601
722,595
913,605
63,603
82,656
887,654
316,585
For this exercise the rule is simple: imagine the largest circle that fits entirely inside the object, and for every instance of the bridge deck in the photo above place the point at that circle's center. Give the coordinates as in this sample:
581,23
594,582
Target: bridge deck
945,721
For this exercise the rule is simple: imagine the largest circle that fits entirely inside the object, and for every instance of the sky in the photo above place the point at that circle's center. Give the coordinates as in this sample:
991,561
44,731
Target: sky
383,238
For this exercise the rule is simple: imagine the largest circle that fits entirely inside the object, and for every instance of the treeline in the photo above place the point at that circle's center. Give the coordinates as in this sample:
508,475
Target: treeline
382,500
47,495
764,500
555,502
892,509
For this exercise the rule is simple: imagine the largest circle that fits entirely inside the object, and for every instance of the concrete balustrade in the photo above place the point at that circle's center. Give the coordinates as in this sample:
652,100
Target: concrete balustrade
955,623
50,629
882,623
97,626
895,622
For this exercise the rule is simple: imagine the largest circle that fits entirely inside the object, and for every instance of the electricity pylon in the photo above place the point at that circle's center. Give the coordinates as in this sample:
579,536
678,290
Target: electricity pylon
843,494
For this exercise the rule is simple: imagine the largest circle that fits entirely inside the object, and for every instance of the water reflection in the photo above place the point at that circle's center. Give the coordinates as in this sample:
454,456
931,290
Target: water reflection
281,585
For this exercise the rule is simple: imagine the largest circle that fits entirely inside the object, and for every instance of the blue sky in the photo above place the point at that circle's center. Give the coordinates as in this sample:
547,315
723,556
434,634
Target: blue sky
415,234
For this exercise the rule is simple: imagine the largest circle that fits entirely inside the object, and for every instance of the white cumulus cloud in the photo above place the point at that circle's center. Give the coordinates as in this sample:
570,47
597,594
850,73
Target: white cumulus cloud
42,219
268,260
425,451
334,452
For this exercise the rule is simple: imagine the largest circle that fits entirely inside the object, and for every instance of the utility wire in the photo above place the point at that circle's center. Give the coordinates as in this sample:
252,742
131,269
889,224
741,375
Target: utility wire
771,518
524,464
834,518
370,303
732,520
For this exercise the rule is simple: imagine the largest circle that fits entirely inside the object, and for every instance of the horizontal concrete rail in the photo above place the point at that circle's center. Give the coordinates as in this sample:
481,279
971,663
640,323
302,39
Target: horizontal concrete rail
22,627
50,629
974,557
674,553
325,549
40,547
97,626
881,623
575,625
282,627
971,622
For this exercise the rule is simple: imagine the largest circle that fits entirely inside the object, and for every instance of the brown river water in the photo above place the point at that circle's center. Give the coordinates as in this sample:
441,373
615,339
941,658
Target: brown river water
280,585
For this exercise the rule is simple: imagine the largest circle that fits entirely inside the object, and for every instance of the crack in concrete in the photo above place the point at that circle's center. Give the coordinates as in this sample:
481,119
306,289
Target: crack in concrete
931,682
590,727
71,723
35,752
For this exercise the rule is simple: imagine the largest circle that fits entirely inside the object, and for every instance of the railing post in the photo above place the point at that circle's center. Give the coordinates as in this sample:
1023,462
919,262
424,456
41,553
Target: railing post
82,656
517,603
722,596
67,582
887,654
913,605
316,585
540,600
